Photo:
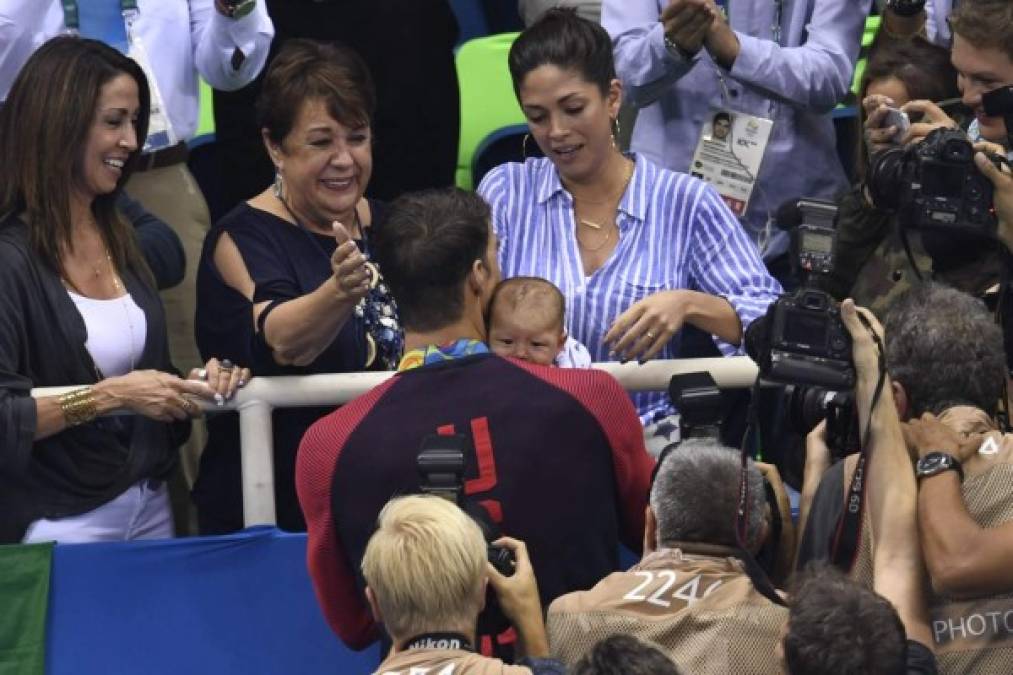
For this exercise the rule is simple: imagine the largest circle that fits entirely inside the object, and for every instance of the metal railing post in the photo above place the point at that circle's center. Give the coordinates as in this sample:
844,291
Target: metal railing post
257,451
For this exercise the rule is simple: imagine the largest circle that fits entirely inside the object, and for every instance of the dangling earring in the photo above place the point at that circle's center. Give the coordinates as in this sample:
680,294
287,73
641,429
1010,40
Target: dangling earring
279,185
617,133
524,146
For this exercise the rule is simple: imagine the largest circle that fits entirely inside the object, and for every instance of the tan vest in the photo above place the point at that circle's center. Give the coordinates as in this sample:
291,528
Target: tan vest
973,636
446,662
702,611
976,636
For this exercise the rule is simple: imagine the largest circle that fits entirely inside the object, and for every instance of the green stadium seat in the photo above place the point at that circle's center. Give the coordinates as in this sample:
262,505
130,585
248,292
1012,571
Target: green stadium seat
488,104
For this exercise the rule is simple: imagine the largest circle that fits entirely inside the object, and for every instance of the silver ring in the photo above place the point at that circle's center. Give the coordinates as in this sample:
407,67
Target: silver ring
650,335
225,366
202,373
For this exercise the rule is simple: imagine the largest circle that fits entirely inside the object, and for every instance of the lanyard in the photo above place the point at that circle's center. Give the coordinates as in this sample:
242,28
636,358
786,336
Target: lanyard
72,17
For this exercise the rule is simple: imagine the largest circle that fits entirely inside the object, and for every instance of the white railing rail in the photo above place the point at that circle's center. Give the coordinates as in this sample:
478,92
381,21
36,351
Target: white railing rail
262,395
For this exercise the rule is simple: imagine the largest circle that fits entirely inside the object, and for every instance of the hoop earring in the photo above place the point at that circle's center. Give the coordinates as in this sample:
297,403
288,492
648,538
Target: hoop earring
524,146
617,133
279,185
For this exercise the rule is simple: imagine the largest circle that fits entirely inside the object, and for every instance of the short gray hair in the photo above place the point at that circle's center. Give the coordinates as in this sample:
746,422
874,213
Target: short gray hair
945,349
695,496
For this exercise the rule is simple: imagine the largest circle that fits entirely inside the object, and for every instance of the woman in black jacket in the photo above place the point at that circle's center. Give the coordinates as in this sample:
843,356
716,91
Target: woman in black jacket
78,306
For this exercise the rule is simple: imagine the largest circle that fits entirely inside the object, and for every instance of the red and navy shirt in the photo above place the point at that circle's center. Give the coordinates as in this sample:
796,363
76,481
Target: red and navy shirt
559,462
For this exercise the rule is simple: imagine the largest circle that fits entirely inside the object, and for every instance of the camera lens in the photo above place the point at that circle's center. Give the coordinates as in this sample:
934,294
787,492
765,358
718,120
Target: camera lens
886,177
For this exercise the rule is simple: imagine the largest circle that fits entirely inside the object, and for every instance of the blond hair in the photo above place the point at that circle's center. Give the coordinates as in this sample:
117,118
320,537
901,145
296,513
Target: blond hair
425,565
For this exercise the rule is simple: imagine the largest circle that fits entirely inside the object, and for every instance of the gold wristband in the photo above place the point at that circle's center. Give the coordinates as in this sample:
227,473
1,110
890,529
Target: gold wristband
78,406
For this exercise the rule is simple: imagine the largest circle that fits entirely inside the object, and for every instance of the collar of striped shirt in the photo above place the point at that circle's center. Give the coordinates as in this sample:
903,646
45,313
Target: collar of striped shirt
634,202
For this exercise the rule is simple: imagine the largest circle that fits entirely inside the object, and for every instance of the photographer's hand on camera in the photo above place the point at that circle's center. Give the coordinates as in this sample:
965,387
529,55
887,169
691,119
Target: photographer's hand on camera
518,598
932,118
877,136
646,327
1002,181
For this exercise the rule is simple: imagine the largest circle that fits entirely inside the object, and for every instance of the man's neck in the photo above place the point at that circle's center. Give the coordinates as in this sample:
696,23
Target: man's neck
467,633
459,330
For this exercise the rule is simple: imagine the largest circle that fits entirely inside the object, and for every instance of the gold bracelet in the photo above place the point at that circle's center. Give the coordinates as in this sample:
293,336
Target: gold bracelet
78,406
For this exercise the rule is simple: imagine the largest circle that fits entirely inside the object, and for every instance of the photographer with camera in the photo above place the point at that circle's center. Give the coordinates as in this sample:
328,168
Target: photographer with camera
554,456
690,594
426,576
870,628
945,357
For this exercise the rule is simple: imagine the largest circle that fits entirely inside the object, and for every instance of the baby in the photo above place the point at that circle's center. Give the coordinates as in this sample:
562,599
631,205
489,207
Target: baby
526,322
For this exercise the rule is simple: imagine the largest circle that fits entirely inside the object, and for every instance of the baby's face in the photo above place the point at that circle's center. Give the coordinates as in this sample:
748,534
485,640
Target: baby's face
524,337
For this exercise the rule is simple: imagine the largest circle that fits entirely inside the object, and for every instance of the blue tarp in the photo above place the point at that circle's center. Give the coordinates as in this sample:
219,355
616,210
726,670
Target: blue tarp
240,603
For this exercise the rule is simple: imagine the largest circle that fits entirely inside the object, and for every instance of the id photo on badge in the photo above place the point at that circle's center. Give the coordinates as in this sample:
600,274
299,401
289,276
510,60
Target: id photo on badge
720,130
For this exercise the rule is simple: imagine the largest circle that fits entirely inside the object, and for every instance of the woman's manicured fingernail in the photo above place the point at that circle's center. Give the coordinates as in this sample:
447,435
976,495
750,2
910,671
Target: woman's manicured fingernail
219,399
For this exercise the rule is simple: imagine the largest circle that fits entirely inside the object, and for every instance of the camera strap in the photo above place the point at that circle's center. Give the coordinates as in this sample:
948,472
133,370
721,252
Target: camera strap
848,534
757,575
438,641
902,231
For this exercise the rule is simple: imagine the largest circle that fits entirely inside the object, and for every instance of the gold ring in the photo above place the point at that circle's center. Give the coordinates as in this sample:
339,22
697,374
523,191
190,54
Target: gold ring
650,335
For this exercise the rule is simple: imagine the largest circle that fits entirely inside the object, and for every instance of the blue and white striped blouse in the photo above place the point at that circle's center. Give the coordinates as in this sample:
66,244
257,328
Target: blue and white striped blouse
675,233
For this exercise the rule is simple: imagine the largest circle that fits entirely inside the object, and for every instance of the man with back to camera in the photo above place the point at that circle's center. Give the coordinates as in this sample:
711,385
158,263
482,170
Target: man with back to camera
689,594
558,454
426,573
788,63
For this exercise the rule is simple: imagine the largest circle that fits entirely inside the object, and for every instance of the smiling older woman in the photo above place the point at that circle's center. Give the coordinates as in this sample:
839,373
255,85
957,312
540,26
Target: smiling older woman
285,280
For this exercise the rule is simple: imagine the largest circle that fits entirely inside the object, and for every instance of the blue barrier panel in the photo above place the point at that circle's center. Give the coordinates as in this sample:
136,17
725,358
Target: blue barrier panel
239,603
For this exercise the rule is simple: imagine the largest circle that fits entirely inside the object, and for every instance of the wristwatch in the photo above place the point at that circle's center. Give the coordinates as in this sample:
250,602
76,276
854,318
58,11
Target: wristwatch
905,7
235,9
937,462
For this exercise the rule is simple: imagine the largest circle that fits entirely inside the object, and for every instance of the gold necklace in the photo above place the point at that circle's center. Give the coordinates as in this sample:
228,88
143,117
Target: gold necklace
96,269
628,175
605,240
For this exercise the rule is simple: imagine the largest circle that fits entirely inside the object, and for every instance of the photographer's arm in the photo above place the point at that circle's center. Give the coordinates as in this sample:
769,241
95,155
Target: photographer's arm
898,571
817,461
948,531
518,598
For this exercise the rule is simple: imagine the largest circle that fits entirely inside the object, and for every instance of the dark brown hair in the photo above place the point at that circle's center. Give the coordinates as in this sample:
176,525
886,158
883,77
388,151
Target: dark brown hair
838,626
561,38
305,70
922,67
44,128
425,248
985,23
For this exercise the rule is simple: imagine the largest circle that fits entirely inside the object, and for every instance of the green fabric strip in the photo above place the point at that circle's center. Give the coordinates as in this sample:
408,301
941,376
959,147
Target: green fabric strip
24,597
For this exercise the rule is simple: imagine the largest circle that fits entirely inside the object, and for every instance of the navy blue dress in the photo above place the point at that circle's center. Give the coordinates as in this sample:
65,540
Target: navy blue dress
285,262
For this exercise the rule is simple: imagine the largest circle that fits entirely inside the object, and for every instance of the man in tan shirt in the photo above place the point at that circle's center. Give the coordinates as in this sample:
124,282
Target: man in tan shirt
689,594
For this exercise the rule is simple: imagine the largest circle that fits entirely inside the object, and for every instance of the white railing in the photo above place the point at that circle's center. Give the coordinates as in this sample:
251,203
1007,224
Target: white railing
255,402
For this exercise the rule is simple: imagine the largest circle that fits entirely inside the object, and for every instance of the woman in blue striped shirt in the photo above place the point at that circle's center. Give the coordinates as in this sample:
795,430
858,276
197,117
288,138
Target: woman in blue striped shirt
638,251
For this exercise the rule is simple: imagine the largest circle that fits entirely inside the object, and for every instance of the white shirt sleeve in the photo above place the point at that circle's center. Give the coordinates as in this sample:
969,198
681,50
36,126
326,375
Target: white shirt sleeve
216,38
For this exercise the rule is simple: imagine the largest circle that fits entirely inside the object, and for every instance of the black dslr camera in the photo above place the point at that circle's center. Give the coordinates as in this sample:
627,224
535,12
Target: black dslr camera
801,339
441,472
935,184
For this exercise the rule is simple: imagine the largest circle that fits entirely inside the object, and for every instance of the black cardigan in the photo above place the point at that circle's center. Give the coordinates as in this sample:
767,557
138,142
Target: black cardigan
42,344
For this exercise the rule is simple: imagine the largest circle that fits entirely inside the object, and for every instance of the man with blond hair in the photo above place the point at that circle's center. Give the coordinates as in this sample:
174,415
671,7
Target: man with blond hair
426,573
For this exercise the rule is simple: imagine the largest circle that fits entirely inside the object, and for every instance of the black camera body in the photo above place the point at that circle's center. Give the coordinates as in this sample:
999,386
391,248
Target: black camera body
805,407
440,463
935,184
802,340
